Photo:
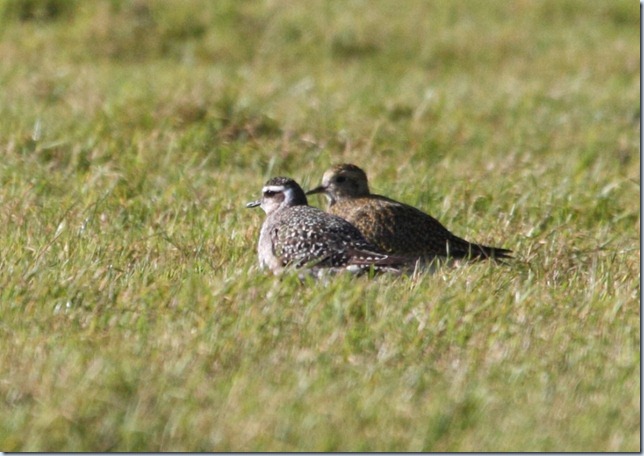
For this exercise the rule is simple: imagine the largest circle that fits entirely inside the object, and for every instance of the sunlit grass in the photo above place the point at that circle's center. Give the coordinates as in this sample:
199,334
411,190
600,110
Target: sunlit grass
134,316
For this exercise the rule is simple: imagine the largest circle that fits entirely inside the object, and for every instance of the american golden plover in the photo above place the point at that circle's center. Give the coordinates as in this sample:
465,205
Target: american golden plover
297,235
392,226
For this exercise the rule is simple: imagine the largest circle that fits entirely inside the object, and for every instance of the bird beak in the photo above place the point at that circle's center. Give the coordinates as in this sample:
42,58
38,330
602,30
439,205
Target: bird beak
253,204
320,189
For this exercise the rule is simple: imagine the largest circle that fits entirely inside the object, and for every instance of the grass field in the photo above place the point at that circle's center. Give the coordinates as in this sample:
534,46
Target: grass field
133,315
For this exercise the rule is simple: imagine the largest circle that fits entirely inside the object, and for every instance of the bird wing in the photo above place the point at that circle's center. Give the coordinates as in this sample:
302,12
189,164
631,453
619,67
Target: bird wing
307,236
398,227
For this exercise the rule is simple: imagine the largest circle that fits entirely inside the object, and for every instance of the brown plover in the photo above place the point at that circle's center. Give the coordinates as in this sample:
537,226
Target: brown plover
394,227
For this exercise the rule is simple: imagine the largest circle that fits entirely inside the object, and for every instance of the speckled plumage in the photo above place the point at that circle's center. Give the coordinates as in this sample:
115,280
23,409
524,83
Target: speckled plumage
298,235
393,226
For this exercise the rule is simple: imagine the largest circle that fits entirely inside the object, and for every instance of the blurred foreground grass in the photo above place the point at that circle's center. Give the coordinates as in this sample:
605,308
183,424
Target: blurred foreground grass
132,312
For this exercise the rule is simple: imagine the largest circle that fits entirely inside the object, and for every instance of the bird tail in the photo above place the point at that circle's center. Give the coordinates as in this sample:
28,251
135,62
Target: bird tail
367,259
460,248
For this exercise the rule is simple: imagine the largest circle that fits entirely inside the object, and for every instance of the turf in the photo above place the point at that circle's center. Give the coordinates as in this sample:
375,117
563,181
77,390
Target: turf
133,315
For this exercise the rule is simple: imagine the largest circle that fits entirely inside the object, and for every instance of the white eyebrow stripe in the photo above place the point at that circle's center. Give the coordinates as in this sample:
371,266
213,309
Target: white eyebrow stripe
273,188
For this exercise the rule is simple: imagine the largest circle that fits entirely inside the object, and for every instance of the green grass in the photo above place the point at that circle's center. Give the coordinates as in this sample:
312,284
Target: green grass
133,315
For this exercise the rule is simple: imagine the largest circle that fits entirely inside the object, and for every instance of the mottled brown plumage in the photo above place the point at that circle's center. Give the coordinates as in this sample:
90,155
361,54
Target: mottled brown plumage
393,226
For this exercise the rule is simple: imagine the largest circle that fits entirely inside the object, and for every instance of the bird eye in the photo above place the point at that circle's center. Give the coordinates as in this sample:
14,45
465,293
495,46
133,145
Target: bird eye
269,193
340,179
